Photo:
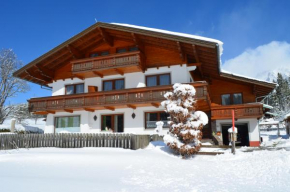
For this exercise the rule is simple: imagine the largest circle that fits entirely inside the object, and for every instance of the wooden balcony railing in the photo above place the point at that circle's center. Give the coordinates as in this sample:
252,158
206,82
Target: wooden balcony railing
241,111
106,62
105,99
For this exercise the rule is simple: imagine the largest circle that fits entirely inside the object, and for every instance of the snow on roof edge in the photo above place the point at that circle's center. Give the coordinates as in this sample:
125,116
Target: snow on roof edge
220,43
230,73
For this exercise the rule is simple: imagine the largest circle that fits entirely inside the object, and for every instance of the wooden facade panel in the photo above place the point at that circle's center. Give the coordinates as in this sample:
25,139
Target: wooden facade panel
220,87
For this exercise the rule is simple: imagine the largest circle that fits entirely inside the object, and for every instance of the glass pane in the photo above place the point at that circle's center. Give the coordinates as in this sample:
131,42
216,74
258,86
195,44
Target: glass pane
237,98
107,123
80,88
121,50
133,49
108,85
119,84
164,79
94,55
120,123
151,81
226,99
68,124
105,53
69,89
151,119
164,117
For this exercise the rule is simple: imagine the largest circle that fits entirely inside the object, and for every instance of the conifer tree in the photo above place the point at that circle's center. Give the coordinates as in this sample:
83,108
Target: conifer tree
186,124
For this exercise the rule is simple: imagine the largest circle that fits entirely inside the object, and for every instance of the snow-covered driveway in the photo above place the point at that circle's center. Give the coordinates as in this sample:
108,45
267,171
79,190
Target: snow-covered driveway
152,169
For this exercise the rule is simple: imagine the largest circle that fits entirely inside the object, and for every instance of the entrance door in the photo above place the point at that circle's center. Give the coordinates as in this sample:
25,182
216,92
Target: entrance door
242,136
113,123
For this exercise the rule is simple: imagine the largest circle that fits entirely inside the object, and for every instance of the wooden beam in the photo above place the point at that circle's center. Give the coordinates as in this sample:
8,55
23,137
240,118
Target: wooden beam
131,106
119,71
197,59
38,77
89,109
139,44
155,105
44,71
75,52
69,110
109,108
106,38
193,64
52,112
78,76
181,52
98,74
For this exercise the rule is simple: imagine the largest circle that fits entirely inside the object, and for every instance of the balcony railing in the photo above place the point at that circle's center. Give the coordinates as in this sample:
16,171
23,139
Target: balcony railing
241,111
106,62
105,99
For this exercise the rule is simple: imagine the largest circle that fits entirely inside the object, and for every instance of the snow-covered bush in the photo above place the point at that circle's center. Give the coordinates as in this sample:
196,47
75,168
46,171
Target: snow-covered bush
186,124
159,127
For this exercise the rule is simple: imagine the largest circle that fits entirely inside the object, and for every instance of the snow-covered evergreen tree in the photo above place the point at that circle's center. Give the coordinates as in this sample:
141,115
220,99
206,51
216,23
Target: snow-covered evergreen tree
280,97
186,124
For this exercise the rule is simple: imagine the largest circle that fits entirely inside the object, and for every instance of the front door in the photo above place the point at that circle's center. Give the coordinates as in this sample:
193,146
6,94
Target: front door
242,136
113,123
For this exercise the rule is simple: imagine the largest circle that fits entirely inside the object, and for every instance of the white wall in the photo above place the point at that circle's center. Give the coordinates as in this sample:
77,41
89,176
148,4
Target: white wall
179,74
253,127
89,125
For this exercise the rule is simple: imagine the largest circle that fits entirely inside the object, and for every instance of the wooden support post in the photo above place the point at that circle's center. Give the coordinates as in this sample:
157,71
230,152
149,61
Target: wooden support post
131,106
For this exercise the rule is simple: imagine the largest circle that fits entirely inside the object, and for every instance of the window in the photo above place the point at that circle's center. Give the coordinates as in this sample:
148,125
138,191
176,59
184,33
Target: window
232,99
99,53
155,80
127,49
152,117
69,123
115,84
122,50
74,89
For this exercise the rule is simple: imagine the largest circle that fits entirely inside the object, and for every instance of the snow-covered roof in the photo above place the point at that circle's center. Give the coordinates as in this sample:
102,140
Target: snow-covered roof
269,123
220,43
267,106
243,76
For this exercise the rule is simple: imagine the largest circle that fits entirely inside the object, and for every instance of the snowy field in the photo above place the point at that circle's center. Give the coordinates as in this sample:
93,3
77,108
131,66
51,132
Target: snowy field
151,169
26,125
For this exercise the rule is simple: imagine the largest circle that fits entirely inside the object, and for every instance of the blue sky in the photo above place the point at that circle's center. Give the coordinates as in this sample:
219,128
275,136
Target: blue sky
33,27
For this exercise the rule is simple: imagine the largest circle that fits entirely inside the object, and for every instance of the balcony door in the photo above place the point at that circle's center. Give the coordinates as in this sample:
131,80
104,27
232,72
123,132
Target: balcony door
113,123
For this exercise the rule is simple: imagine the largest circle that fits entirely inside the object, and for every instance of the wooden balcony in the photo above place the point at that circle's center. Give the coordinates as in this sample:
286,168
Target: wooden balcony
241,111
132,98
107,65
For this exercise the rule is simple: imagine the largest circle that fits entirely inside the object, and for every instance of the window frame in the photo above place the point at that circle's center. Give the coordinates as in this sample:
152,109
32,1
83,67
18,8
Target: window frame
99,53
113,84
55,121
75,85
232,98
127,49
158,78
158,118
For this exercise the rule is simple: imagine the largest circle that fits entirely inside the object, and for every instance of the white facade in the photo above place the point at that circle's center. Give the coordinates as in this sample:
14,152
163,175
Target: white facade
253,127
178,74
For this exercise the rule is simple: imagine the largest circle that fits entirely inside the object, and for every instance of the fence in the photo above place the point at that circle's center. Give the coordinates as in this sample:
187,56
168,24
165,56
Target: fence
76,140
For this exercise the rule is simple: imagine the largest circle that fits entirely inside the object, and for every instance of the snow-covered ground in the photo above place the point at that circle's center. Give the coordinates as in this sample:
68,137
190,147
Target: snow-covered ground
271,139
151,169
26,125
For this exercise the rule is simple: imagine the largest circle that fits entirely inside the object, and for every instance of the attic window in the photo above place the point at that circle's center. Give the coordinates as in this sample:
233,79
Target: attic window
133,49
122,50
105,53
94,55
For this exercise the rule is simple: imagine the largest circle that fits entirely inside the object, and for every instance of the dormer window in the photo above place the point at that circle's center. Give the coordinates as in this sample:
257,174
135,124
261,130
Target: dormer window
74,89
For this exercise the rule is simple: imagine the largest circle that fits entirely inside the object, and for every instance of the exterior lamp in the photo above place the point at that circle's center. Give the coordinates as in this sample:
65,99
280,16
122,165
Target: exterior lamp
133,115
95,117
